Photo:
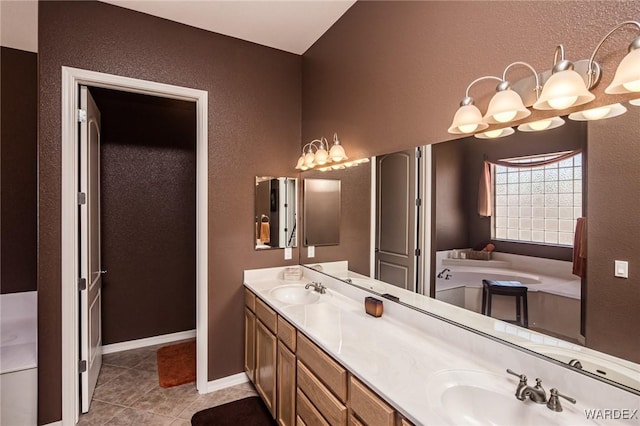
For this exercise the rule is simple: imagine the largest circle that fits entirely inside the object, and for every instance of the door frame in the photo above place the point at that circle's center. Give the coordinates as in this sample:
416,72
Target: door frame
72,78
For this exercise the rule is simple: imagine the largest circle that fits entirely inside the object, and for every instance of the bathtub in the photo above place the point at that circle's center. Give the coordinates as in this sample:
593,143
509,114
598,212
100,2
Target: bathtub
554,300
18,358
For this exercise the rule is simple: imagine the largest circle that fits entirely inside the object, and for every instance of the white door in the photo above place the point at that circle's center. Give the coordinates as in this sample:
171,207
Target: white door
90,266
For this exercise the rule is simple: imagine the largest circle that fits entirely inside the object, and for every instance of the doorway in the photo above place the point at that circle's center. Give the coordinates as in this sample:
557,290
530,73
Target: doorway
72,79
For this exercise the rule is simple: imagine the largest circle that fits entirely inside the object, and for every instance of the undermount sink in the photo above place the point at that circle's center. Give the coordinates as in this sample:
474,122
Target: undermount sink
474,397
294,294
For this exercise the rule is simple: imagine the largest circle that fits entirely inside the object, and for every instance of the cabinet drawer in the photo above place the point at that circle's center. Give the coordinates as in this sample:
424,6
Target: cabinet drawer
300,422
267,315
368,406
287,334
329,371
250,300
326,403
307,413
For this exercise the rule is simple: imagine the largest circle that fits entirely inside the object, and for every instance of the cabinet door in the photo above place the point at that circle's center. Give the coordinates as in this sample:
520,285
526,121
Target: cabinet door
266,348
250,344
286,386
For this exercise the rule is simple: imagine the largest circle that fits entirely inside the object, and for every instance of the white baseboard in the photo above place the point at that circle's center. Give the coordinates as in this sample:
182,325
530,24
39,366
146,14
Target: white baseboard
226,382
148,341
58,423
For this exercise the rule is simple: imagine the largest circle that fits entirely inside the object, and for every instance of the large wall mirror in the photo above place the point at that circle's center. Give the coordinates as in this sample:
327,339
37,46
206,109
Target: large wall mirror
275,212
321,212
533,241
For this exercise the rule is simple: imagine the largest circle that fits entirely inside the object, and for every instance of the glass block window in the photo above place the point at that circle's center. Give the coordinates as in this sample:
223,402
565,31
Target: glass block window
539,204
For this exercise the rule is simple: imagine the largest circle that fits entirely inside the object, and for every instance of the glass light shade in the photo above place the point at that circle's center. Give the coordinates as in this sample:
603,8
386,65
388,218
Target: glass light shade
493,134
322,156
337,152
627,76
468,119
505,106
564,89
544,124
300,162
599,113
635,102
309,159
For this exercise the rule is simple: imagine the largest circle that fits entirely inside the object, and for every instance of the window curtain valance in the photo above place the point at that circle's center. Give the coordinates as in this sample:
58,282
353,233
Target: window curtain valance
485,187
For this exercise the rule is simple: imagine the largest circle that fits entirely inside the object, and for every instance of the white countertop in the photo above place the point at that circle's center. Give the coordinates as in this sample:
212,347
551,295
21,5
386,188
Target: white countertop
394,358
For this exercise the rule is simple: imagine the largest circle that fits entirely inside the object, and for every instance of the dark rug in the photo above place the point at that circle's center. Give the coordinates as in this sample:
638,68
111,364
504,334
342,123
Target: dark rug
246,412
177,364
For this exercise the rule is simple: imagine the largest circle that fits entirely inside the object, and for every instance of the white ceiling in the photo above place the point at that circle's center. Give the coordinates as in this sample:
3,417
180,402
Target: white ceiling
289,25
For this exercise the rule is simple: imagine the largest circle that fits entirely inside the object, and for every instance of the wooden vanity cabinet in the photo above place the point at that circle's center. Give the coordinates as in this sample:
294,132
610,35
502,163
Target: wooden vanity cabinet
250,335
365,407
323,382
301,384
286,373
266,355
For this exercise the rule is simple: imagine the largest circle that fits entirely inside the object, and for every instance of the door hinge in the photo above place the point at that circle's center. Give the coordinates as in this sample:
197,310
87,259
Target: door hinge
82,366
82,198
418,153
82,284
418,252
82,116
418,202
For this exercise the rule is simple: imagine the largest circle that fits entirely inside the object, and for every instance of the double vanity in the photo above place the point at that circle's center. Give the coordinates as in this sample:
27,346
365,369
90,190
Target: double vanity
317,358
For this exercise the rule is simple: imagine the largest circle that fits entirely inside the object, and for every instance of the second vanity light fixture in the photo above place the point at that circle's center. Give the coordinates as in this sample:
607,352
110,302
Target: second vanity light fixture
566,85
318,154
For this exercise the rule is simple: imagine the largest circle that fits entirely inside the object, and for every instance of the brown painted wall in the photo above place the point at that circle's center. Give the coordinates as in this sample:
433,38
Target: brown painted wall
19,127
148,210
254,129
613,312
390,75
449,187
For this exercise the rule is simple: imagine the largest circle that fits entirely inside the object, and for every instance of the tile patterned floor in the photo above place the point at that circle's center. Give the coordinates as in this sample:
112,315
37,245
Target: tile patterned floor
127,393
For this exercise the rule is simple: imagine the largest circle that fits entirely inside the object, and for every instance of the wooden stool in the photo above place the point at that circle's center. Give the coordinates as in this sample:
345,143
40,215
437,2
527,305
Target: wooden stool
506,288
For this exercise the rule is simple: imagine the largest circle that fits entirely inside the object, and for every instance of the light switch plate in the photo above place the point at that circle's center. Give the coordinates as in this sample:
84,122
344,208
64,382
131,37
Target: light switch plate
311,251
621,269
288,253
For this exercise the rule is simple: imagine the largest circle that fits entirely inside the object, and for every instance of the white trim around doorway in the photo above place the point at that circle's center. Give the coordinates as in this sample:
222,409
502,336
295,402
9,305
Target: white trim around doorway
71,79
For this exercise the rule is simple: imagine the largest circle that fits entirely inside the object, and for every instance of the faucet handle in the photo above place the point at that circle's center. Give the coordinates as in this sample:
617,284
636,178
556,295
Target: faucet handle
522,377
554,401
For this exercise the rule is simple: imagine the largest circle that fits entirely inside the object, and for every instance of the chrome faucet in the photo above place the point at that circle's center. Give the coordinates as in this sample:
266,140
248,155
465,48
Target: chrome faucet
317,287
444,271
537,394
575,363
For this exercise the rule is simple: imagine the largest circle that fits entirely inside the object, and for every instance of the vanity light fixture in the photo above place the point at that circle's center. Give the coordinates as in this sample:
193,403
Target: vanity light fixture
566,85
599,113
544,124
566,88
468,117
627,76
346,165
494,134
317,153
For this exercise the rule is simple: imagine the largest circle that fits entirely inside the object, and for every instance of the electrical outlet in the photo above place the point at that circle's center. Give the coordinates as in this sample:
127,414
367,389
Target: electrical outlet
311,251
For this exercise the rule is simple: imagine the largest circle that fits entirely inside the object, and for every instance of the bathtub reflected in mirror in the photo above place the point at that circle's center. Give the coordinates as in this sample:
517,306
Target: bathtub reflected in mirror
275,212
